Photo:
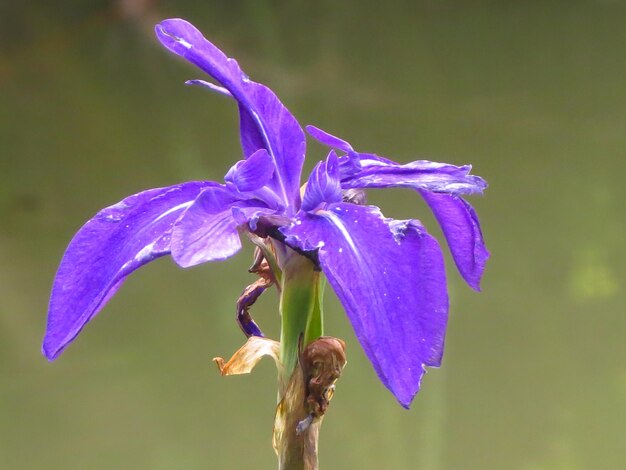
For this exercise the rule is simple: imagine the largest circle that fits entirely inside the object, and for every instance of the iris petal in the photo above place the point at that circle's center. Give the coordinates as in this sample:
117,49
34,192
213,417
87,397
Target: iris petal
461,228
253,173
328,139
390,278
376,172
110,246
324,185
264,120
208,229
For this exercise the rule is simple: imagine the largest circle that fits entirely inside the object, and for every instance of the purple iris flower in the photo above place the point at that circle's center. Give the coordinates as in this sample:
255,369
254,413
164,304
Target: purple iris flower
388,274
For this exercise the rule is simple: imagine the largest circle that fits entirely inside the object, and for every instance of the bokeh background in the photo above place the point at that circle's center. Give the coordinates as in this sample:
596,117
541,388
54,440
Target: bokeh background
533,94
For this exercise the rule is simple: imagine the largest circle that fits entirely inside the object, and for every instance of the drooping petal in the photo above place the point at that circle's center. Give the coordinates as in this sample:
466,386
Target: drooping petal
265,122
461,228
110,246
253,173
323,185
208,229
390,278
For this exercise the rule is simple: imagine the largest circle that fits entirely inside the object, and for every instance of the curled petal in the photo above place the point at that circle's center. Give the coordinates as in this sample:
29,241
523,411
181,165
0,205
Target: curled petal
248,356
265,122
328,139
389,276
208,229
461,228
110,246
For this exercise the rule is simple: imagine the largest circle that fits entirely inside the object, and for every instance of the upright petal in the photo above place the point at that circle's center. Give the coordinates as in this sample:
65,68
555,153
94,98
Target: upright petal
323,185
208,229
389,276
461,228
118,240
265,122
253,173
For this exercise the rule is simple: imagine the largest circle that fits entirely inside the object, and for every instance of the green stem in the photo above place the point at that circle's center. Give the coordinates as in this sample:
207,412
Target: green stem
300,309
315,324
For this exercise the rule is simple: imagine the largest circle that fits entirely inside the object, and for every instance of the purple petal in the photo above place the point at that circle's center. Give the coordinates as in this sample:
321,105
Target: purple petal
373,171
328,139
389,276
323,184
208,229
118,240
461,228
253,173
421,174
265,122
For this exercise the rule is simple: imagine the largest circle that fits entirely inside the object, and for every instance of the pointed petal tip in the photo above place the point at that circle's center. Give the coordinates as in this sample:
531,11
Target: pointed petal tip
52,347
475,284
51,354
481,262
405,399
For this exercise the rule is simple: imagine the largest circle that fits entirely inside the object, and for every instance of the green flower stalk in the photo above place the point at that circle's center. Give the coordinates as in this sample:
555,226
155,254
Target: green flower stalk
300,307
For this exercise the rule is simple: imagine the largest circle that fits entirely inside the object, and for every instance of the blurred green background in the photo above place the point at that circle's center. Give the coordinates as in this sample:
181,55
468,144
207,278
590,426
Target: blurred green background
533,94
